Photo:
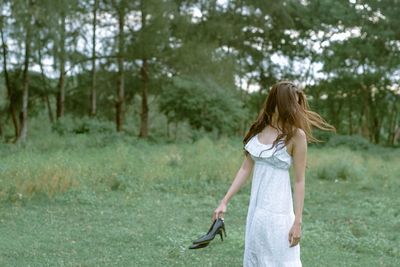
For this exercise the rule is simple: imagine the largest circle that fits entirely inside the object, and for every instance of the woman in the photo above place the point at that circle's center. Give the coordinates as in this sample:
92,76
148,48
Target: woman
276,141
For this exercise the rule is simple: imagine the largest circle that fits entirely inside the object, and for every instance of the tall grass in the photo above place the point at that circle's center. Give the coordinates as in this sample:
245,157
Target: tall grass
162,195
103,162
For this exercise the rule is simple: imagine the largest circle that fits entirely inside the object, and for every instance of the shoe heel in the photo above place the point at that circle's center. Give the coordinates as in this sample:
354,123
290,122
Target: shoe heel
220,234
223,228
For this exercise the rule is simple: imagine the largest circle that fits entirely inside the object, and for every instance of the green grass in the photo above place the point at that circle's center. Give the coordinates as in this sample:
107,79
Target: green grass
116,201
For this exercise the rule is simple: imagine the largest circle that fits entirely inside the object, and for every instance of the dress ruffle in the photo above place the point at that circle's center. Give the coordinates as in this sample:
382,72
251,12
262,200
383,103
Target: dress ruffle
276,155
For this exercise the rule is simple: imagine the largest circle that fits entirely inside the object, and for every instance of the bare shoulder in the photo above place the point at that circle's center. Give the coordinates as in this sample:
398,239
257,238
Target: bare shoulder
299,145
300,133
298,141
300,136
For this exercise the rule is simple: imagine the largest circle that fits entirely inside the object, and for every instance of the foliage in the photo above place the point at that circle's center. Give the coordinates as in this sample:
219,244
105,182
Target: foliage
209,55
355,142
203,103
82,126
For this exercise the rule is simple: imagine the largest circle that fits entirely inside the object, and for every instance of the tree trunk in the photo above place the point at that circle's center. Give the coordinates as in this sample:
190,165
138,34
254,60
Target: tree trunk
366,113
350,117
61,79
119,104
144,115
46,99
176,130
49,111
168,134
10,92
25,85
338,113
93,92
376,129
396,137
373,120
392,125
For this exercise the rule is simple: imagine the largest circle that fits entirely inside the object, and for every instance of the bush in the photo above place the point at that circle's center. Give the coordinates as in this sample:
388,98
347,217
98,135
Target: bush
323,136
338,165
82,125
339,170
203,103
354,142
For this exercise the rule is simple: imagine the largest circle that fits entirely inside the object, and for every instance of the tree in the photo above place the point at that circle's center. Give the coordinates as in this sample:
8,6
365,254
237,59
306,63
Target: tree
151,47
120,8
25,11
203,103
8,85
93,97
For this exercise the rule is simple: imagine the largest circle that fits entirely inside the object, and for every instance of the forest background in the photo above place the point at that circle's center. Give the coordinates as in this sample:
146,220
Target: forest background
113,112
171,69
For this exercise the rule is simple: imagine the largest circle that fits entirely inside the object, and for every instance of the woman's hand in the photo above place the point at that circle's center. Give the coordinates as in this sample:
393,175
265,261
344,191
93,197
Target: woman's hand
295,234
219,212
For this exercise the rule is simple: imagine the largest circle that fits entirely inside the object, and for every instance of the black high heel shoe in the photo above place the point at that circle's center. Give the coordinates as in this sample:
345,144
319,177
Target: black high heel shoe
218,227
196,246
205,244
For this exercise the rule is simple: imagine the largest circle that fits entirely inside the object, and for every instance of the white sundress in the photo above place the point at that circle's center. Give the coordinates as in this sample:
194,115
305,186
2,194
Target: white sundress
270,213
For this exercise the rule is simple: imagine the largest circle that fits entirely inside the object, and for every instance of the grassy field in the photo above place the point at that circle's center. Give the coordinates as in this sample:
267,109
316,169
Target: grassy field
116,201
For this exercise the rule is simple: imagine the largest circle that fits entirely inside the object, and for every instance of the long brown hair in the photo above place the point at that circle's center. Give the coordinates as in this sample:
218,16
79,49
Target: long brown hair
293,114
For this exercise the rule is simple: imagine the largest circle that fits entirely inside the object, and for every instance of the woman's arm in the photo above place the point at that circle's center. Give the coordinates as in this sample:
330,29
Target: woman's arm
299,164
240,178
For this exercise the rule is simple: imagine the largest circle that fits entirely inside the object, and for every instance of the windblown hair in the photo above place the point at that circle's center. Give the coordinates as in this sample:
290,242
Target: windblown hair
293,114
